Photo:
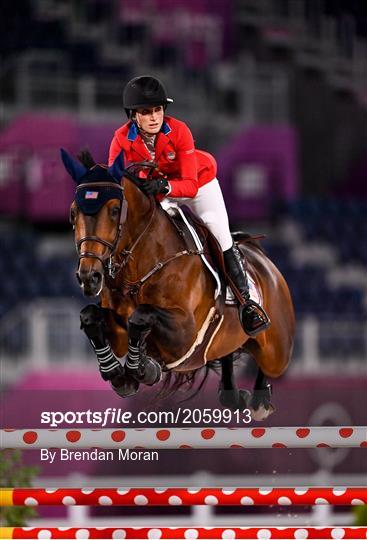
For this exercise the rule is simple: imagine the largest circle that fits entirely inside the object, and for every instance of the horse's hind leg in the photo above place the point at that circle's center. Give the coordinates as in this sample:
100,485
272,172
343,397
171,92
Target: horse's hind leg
260,401
230,395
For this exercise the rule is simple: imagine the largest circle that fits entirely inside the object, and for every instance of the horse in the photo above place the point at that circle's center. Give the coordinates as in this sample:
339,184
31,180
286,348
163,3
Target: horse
157,297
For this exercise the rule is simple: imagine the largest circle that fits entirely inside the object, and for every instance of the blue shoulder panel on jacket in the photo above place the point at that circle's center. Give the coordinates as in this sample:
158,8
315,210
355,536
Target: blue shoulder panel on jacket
165,128
133,132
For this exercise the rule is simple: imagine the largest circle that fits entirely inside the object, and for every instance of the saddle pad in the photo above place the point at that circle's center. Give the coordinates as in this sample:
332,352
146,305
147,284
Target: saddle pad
199,246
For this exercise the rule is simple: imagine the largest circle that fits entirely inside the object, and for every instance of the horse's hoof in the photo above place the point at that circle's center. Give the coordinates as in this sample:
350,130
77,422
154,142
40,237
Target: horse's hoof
124,385
261,397
262,412
234,399
245,397
118,371
149,371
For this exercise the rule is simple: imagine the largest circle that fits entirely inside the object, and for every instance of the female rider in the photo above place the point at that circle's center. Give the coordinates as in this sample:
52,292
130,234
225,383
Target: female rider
189,176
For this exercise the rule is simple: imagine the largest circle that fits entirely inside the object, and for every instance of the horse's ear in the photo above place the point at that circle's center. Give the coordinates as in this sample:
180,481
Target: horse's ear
117,168
74,168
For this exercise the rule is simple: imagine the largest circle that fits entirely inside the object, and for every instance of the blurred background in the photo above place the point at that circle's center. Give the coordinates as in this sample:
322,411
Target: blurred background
277,91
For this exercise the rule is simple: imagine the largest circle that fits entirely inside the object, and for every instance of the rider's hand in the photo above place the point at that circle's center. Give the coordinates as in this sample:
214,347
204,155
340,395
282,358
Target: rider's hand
156,186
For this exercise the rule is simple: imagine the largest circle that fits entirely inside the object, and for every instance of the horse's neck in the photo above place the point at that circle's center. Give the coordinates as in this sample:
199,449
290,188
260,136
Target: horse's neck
139,210
144,232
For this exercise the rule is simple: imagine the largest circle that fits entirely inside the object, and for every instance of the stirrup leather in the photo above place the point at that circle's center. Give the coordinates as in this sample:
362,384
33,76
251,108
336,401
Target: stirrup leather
262,315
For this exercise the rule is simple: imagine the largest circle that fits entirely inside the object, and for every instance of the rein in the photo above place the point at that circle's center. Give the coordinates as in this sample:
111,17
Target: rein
127,253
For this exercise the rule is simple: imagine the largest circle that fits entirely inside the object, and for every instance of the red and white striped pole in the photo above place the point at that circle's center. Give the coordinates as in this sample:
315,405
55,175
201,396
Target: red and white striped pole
182,438
185,533
245,496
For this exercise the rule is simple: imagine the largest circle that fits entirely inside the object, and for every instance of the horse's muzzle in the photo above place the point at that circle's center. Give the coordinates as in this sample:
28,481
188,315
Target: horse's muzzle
91,281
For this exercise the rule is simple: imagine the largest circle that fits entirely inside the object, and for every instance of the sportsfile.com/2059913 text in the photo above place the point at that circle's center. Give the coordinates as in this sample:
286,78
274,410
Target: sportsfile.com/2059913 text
113,416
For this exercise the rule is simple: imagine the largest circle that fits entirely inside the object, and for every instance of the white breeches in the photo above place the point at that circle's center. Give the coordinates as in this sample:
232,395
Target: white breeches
209,206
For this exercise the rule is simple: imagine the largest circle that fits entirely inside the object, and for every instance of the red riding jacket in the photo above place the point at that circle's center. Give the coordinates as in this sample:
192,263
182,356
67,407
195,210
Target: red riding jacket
186,168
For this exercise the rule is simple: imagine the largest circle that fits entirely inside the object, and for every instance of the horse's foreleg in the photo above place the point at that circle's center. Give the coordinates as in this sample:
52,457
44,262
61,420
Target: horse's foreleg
93,323
141,367
230,395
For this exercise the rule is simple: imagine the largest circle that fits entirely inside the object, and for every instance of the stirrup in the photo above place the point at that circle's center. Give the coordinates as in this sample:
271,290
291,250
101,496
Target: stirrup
265,320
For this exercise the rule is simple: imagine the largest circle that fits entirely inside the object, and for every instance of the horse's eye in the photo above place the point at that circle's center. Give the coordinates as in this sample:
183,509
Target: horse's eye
115,212
72,216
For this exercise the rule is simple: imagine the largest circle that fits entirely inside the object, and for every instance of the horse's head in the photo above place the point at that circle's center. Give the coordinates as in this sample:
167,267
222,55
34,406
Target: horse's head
97,215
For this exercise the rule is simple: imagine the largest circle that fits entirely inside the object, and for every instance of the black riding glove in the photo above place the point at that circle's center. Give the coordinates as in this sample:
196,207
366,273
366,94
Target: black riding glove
154,187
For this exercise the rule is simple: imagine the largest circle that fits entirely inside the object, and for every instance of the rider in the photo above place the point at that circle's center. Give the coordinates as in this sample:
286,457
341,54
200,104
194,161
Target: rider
189,176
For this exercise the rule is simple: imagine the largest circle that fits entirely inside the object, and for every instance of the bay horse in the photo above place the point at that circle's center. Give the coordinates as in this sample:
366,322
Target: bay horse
157,297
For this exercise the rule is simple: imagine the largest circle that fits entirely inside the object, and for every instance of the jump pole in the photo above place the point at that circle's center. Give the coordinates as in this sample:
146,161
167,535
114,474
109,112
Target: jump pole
185,533
350,496
183,438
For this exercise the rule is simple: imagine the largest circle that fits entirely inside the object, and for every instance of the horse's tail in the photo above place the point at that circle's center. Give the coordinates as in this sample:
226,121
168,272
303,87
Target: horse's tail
174,382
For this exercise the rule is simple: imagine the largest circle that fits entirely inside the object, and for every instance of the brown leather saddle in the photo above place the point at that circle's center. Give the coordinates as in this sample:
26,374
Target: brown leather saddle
211,248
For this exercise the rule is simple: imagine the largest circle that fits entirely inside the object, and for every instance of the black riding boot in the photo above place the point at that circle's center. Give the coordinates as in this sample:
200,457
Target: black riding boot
252,316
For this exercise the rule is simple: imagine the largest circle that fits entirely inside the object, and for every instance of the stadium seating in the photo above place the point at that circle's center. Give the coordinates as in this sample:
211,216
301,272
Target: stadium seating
342,225
30,276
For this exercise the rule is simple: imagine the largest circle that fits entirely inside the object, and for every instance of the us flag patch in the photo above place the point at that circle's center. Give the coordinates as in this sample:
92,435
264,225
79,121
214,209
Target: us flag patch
91,195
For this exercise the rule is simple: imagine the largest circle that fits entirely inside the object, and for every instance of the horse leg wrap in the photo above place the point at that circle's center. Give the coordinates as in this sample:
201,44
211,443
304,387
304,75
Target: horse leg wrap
136,346
140,366
93,323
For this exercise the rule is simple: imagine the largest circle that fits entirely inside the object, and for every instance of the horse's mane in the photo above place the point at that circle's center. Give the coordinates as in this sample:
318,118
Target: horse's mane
86,158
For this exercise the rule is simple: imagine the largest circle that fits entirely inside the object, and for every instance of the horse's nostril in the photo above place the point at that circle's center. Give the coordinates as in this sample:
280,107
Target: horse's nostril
90,280
96,277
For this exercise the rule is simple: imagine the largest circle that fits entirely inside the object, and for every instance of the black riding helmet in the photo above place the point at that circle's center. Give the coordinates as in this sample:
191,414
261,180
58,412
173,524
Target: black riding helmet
144,91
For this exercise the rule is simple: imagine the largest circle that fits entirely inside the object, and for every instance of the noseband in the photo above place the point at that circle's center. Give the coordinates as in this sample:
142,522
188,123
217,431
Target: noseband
106,257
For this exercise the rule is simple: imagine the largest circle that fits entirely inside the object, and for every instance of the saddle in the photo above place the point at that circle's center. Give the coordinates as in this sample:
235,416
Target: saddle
181,217
185,223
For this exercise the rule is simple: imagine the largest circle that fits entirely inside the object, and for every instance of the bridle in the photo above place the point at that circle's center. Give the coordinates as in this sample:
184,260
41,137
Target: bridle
106,258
